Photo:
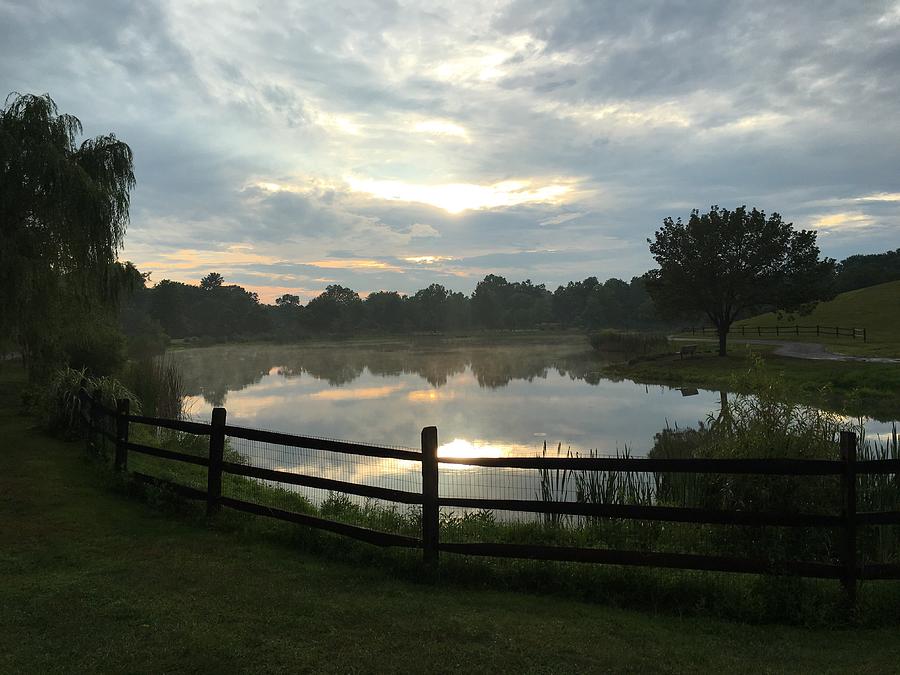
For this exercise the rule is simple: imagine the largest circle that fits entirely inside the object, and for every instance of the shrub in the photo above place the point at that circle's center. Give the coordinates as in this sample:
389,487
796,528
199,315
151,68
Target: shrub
59,407
628,342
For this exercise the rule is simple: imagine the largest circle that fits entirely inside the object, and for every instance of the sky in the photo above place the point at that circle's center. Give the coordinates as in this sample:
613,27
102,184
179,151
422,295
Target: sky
389,145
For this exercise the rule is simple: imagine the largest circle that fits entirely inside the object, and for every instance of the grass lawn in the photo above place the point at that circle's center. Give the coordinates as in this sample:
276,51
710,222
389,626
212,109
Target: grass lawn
871,389
91,580
876,308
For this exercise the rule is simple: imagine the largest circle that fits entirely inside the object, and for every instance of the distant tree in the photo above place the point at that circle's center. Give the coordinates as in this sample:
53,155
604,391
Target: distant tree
570,301
487,301
385,310
457,309
337,308
211,281
63,214
430,307
859,271
724,263
288,300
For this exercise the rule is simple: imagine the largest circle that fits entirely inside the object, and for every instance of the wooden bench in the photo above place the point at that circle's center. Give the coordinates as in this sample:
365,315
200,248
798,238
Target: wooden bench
687,350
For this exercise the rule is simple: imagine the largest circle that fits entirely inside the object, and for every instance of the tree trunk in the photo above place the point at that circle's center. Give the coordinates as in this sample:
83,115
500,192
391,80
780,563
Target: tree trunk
723,336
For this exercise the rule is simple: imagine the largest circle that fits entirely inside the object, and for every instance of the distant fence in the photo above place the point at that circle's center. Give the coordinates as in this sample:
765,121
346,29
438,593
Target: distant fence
99,421
778,331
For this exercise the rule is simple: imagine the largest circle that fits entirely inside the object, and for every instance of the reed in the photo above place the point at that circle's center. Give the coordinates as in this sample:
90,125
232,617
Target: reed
628,342
553,487
159,385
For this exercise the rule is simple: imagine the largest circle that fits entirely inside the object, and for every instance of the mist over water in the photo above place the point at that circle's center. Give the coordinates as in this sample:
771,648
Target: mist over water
485,399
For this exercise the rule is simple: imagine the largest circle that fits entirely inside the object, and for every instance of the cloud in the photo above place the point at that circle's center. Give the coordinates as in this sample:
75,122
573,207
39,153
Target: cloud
844,221
881,197
561,218
459,197
427,259
524,138
422,231
442,128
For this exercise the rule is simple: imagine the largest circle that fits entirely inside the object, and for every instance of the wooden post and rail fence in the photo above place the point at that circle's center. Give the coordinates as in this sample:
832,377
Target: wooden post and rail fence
848,570
786,331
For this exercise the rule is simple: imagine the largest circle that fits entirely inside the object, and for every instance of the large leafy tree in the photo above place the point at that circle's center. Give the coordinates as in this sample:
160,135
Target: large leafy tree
723,264
63,214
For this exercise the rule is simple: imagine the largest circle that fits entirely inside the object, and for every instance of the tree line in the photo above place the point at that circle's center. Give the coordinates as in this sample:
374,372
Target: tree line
216,310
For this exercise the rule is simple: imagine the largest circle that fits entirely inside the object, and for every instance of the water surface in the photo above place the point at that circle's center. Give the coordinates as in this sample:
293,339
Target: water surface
486,400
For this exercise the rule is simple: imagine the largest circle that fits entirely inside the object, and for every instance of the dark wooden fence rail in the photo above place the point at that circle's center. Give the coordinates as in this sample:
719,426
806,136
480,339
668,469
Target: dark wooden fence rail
778,331
98,419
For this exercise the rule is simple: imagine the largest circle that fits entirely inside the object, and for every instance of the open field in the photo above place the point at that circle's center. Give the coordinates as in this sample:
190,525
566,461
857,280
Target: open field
876,308
93,580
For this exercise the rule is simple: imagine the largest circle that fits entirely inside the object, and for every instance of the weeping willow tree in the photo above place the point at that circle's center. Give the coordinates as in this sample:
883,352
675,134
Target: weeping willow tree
63,214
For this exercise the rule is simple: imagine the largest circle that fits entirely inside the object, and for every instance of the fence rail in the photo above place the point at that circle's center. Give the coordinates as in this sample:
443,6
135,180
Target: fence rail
778,331
97,419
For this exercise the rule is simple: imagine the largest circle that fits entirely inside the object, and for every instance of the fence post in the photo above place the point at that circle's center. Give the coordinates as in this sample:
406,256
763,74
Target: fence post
848,489
214,471
430,510
123,409
817,330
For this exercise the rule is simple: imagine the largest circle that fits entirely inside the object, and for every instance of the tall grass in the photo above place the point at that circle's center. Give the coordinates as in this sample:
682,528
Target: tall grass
879,492
759,426
159,385
553,487
628,342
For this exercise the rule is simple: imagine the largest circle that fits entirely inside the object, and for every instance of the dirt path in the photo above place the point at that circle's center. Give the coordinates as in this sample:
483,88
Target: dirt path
812,351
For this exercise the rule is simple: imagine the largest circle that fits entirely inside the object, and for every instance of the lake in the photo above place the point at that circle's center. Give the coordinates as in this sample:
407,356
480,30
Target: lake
485,400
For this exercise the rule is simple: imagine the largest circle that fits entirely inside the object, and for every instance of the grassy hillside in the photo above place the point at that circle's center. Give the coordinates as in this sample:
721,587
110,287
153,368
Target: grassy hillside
92,580
876,308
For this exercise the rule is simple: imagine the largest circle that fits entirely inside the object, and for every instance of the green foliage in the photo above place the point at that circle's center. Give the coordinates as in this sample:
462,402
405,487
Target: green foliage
159,386
288,300
498,303
211,281
723,264
861,271
97,346
59,408
216,312
220,311
628,342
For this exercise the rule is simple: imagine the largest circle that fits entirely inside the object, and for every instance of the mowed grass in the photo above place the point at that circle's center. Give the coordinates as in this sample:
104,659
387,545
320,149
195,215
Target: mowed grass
876,308
92,580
